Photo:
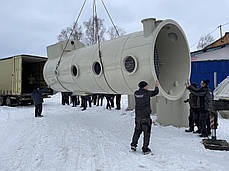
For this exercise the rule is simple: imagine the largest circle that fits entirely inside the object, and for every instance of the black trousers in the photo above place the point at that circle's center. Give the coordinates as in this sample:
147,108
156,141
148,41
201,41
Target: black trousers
77,100
38,110
100,98
84,103
108,103
90,102
94,99
118,101
194,119
74,101
144,126
112,101
65,99
205,122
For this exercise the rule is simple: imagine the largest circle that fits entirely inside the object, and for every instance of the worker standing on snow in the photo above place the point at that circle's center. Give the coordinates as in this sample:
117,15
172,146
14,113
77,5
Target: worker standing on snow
74,100
143,121
204,101
109,99
118,101
193,115
100,97
38,100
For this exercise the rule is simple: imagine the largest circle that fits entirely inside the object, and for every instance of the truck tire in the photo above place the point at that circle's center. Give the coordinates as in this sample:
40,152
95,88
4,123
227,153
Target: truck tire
8,101
2,102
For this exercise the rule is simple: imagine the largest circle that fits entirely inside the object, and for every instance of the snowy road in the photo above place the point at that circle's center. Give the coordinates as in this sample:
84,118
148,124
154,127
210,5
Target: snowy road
97,140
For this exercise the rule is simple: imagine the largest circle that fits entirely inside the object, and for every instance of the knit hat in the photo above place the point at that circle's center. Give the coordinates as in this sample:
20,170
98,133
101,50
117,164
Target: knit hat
194,85
206,82
142,84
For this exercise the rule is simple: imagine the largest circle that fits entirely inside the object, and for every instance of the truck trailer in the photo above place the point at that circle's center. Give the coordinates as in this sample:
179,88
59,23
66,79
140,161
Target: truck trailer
19,75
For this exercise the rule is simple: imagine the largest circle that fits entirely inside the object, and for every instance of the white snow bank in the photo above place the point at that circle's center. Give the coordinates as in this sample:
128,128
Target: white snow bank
67,139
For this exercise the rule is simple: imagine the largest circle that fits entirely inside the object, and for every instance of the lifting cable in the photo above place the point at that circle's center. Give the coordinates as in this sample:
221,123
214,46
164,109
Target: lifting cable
99,46
110,17
69,37
96,39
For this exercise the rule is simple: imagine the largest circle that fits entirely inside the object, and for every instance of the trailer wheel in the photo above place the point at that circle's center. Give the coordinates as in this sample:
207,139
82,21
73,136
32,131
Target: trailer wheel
1,101
8,101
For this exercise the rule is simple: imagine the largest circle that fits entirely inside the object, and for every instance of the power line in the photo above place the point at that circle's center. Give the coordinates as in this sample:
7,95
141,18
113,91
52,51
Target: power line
104,5
225,24
211,32
206,35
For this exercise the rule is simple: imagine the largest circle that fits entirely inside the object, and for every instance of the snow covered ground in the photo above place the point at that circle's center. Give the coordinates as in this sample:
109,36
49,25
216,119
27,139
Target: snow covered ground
97,140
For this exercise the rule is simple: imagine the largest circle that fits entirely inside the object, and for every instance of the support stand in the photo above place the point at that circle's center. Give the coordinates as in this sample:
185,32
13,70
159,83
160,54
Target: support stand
213,143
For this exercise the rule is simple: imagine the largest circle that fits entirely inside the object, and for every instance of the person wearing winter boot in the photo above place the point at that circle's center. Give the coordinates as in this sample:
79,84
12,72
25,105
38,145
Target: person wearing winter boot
193,110
203,102
143,121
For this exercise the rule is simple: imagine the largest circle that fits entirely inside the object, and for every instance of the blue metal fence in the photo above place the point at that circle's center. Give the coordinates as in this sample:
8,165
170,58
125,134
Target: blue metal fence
202,70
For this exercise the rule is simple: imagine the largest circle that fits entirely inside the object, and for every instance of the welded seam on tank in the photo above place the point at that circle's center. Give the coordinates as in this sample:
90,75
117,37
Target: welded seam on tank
95,52
104,75
62,85
121,63
75,82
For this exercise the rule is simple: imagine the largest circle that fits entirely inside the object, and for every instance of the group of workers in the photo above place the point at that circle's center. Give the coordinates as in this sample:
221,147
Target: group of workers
200,107
96,99
199,100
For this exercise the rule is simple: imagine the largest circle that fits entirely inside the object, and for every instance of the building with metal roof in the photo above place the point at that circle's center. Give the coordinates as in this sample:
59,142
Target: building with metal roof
212,62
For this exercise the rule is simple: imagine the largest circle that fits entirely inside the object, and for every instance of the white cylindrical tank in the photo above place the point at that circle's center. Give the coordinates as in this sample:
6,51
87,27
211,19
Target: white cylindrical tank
160,52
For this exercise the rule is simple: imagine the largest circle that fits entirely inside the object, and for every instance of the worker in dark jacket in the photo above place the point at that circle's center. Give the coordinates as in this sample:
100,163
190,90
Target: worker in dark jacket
143,121
194,114
38,100
203,105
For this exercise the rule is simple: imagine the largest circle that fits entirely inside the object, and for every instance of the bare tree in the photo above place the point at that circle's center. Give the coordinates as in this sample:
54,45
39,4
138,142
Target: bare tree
112,34
205,41
94,28
77,33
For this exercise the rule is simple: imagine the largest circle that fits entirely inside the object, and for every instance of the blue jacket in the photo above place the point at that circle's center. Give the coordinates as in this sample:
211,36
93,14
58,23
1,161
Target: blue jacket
37,96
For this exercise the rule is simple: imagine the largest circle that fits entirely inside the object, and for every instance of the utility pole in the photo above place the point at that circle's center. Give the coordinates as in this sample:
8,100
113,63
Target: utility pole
221,32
